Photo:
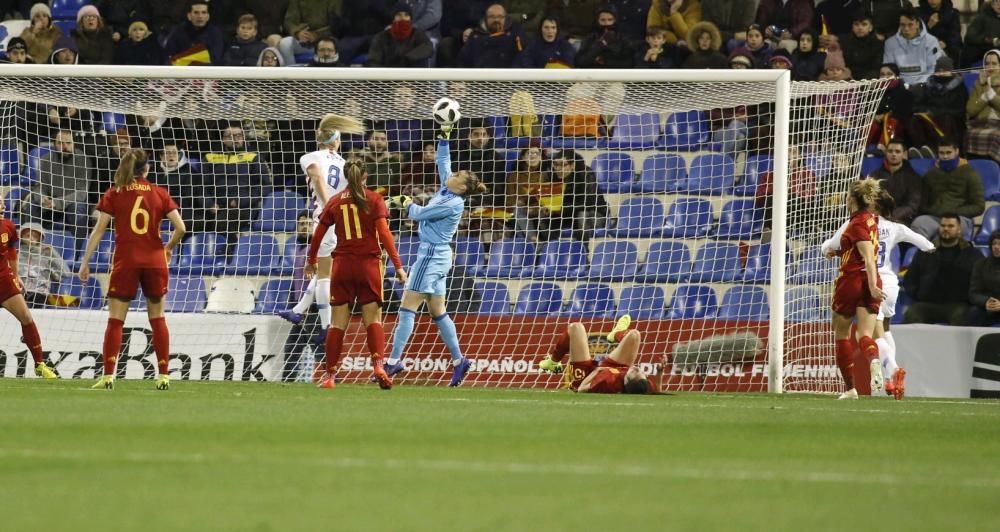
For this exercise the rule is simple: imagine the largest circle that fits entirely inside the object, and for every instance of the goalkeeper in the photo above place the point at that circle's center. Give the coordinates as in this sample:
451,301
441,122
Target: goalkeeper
437,222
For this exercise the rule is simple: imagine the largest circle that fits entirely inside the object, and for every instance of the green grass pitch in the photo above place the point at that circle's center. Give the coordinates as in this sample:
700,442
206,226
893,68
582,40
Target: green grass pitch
262,457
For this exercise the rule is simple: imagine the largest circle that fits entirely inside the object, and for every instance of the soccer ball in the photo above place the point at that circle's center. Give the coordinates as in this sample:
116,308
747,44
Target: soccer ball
446,111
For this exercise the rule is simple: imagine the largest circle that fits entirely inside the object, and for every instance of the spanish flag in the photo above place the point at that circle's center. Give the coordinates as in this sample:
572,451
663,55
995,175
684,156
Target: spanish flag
193,56
824,31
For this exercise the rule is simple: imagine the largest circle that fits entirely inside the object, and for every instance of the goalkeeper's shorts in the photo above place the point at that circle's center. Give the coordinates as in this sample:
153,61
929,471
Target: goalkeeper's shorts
429,273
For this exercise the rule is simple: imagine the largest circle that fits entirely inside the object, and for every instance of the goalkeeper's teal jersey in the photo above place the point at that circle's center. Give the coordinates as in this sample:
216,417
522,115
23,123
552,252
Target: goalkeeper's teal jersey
438,220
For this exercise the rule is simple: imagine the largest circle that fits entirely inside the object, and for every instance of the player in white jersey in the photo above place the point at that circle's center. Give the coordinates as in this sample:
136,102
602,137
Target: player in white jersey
890,234
324,169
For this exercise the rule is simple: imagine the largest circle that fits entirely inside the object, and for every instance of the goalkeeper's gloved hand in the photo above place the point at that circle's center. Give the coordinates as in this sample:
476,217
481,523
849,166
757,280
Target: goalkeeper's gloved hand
446,131
400,202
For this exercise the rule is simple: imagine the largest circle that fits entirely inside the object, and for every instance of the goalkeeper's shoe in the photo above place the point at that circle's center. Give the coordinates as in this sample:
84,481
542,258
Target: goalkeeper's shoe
328,381
106,382
45,372
898,384
849,394
878,381
459,373
163,382
394,369
291,316
622,324
549,365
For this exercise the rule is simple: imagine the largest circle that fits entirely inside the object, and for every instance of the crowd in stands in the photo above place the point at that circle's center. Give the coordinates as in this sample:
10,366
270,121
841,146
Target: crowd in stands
942,104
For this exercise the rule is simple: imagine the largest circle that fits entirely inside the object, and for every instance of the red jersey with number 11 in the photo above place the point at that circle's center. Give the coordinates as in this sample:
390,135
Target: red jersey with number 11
137,209
862,227
356,230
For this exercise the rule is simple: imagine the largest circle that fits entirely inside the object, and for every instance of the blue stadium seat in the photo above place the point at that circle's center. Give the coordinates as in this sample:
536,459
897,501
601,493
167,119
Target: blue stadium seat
561,259
509,258
256,254
539,299
66,25
66,9
903,301
274,296
752,170
989,171
407,247
201,254
693,301
812,267
803,303
869,165
613,260
739,220
715,262
65,245
908,257
686,131
641,301
970,79
10,166
688,218
758,268
667,261
921,166
278,212
494,298
469,254
639,217
744,303
661,172
713,174
991,222
187,294
100,261
33,156
614,171
821,164
405,135
89,294
636,132
500,131
591,300
110,122
11,202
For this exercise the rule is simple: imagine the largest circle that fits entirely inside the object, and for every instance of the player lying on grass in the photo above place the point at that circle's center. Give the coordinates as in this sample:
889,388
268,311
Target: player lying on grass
358,216
614,374
12,298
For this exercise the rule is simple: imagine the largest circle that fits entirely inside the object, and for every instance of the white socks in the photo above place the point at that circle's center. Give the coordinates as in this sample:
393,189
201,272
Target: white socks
887,354
323,301
307,298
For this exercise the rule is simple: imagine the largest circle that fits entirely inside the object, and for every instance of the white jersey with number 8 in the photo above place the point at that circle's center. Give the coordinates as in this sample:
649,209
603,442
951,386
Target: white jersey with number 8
331,167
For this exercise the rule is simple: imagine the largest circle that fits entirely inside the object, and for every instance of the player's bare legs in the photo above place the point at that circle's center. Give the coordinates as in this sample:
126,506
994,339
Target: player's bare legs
161,340
628,350
29,334
552,362
579,346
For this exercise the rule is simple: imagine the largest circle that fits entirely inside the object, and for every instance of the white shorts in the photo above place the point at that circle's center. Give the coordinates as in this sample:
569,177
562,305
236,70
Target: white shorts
890,289
329,242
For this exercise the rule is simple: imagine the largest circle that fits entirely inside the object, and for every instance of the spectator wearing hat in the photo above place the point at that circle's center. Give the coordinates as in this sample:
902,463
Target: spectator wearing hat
705,42
834,67
17,52
92,38
120,14
984,287
655,52
605,47
271,57
197,32
943,21
138,47
675,17
401,44
498,42
741,59
938,107
808,62
912,48
65,52
40,265
41,35
246,48
983,109
760,49
549,49
780,60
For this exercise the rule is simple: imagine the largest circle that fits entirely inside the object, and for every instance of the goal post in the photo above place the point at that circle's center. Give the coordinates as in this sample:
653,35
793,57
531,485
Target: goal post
654,193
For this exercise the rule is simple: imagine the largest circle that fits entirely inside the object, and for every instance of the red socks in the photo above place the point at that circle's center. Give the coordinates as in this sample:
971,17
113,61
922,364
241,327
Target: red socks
561,348
334,345
845,361
112,344
868,348
161,343
376,340
29,331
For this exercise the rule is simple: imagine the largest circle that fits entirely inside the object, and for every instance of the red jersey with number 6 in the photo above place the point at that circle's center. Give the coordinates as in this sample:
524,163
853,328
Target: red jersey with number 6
137,209
356,229
863,227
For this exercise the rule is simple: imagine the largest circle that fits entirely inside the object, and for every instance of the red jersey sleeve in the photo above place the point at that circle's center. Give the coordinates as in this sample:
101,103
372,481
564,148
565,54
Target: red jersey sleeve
106,205
860,229
378,206
9,240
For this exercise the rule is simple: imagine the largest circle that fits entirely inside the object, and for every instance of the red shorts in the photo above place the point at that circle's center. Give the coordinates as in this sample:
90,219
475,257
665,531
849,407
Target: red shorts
10,286
125,282
851,292
356,279
580,370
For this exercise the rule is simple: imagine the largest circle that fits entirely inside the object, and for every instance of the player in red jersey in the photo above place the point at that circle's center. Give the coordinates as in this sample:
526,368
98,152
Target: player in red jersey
615,373
137,207
358,216
12,298
857,294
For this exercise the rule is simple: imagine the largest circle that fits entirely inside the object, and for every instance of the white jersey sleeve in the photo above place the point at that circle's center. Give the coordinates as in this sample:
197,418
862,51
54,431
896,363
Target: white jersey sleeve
833,243
331,167
890,234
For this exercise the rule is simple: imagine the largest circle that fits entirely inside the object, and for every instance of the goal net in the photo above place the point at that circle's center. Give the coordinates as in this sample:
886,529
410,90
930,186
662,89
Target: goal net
655,194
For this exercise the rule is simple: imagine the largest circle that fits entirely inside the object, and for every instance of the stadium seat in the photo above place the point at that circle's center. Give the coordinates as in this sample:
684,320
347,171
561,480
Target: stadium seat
991,222
821,164
100,261
970,79
641,301
613,260
539,299
635,132
739,220
66,9
758,268
469,254
869,165
89,294
989,171
591,300
686,131
66,25
553,132
614,172
64,244
494,298
802,303
256,254
111,122
715,262
274,296
908,258
500,131
11,202
405,135
812,267
921,166
33,156
510,258
407,247
693,301
712,174
561,259
661,172
639,217
903,301
667,261
231,294
201,254
752,170
688,218
186,294
744,303
10,166
279,211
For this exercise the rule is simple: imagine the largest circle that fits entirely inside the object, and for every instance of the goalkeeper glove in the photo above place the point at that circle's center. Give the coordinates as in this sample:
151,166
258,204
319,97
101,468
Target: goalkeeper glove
400,202
445,131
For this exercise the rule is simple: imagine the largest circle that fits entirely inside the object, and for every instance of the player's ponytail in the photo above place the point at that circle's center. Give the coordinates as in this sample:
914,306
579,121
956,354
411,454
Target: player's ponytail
332,126
133,164
356,176
865,193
